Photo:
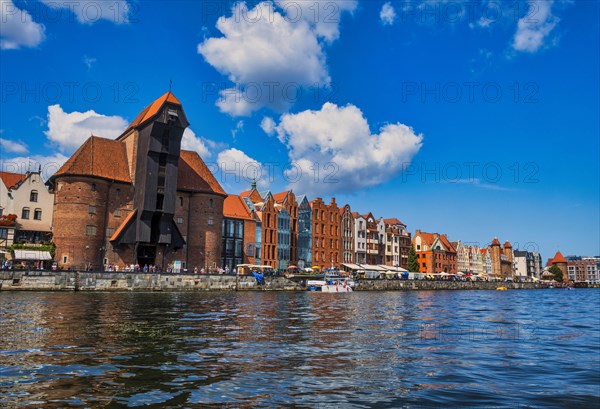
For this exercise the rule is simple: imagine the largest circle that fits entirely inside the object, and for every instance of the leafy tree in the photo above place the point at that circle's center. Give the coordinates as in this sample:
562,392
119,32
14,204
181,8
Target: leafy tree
413,261
557,273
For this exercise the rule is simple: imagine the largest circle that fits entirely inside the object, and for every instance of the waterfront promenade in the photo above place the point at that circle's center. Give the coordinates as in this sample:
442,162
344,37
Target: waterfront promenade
16,280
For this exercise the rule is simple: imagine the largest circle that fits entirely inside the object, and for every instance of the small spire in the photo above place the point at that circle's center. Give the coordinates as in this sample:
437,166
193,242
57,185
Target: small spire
253,186
170,84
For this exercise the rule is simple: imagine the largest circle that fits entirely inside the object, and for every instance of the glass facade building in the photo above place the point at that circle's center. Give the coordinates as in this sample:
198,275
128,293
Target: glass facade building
232,252
304,233
283,239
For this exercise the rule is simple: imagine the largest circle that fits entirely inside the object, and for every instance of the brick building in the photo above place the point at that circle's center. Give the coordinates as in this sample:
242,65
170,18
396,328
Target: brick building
139,198
264,206
583,269
435,253
559,261
325,234
502,259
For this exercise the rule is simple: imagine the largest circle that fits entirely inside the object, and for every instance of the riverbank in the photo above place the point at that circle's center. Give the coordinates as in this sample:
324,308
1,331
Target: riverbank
14,280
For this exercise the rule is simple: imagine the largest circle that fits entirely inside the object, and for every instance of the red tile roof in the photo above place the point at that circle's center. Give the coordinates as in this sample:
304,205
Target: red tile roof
355,214
235,207
11,179
100,157
194,175
558,258
495,242
447,244
152,109
483,251
123,225
280,197
392,221
507,245
428,238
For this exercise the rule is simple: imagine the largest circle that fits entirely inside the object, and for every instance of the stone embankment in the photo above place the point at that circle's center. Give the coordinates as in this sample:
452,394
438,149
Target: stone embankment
14,280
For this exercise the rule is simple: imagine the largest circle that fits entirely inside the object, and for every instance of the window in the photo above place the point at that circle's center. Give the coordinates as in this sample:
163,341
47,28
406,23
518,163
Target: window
211,203
3,233
118,213
90,230
117,193
109,233
180,220
181,201
25,213
65,259
210,221
92,209
37,214
33,196
93,187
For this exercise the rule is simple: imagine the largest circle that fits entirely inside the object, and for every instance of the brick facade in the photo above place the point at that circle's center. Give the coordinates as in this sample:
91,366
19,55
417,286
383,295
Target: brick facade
103,209
325,234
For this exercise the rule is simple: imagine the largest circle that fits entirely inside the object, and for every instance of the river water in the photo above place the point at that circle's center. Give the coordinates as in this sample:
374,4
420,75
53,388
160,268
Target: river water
522,348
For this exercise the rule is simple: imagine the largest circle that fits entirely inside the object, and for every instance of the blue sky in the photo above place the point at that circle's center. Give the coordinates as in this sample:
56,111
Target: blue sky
475,119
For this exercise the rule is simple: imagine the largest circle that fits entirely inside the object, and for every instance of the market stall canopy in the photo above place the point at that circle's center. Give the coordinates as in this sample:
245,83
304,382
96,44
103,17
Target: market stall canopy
397,269
351,266
372,267
36,255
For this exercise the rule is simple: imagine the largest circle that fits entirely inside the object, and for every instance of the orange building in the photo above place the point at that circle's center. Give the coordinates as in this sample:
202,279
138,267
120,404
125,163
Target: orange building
267,214
325,234
434,253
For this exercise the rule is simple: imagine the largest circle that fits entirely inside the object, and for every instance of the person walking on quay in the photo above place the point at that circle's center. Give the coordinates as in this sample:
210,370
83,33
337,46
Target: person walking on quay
195,270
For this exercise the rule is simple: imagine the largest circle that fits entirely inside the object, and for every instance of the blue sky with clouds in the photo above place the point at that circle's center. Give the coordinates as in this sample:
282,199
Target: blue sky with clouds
477,119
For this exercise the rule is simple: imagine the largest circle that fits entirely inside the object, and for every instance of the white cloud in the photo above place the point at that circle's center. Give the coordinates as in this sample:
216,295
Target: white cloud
323,16
478,183
89,61
387,14
268,125
17,28
191,142
237,170
339,142
92,11
270,55
535,26
48,164
12,146
239,127
70,130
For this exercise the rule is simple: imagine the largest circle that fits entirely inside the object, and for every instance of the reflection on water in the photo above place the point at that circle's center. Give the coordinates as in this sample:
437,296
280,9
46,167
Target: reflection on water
537,348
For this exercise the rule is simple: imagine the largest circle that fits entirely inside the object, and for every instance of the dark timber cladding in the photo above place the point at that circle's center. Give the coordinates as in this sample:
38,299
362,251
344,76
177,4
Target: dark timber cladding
159,143
139,198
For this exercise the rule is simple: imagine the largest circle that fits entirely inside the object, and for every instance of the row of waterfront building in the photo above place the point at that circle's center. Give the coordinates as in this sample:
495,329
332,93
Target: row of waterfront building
141,199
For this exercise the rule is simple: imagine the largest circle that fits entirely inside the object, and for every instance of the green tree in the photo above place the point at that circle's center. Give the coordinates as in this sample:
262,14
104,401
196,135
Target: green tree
557,273
413,261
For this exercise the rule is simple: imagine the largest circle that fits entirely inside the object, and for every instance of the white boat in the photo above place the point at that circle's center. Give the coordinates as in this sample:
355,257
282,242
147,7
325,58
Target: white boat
337,284
315,285
340,286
